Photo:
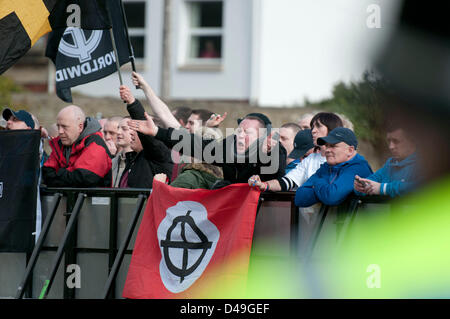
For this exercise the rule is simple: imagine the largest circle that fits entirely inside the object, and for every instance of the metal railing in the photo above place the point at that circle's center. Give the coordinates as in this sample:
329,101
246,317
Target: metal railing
68,247
347,211
67,244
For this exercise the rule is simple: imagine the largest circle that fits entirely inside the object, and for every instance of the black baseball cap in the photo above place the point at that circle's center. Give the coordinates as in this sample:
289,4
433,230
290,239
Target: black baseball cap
260,116
339,134
22,115
303,142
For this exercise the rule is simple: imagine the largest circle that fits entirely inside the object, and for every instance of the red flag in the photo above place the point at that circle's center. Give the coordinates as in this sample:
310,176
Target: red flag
190,238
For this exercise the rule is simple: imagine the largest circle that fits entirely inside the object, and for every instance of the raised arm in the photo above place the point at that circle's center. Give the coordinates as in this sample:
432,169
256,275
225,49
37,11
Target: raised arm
182,141
160,109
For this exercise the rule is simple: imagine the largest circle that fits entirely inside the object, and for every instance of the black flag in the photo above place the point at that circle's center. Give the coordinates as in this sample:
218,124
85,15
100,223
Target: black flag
19,169
85,14
23,22
82,56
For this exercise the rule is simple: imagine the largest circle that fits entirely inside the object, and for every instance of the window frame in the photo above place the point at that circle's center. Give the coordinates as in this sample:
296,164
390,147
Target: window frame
139,32
188,63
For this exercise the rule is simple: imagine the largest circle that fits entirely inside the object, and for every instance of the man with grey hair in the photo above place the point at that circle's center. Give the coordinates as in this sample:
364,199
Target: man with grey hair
305,120
80,157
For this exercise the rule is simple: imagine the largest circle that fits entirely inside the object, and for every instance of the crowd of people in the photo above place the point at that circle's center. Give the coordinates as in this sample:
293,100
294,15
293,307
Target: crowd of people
317,157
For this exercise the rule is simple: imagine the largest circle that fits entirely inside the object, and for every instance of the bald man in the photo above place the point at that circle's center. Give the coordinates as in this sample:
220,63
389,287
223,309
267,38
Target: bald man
80,157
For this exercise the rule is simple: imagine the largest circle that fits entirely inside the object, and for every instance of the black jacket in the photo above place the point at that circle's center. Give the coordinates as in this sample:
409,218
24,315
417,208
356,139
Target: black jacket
154,159
235,169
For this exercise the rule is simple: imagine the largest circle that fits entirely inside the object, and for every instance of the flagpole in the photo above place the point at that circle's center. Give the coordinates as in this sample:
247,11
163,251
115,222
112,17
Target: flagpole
130,47
113,41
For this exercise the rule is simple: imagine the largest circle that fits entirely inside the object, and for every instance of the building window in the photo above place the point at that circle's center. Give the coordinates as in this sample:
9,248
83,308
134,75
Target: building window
135,13
205,32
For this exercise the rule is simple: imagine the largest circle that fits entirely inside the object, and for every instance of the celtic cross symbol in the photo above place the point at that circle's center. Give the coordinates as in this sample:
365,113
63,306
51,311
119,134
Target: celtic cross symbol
204,244
81,48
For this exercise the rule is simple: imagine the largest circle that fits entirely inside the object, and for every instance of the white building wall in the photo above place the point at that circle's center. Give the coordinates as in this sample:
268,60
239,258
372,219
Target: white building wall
308,46
275,52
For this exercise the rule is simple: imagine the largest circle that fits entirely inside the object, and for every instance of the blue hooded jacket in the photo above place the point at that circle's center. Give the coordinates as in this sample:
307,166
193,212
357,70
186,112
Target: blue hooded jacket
332,184
396,178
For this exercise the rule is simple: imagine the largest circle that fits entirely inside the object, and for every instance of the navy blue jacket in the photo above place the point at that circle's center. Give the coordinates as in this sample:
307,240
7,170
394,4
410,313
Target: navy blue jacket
332,184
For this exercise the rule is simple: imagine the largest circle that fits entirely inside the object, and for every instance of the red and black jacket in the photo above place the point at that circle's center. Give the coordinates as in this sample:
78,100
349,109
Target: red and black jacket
86,164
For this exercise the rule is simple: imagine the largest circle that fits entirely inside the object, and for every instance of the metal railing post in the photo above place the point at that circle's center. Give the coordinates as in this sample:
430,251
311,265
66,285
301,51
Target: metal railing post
70,256
57,259
294,245
37,249
124,245
113,228
318,229
352,211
